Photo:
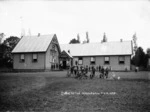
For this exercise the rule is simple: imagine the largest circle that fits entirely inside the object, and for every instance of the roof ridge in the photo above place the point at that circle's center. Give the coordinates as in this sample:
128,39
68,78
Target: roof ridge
40,35
98,42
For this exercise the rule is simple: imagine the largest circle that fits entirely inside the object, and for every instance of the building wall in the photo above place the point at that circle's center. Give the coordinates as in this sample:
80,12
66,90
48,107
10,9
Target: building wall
99,60
114,63
49,57
44,59
29,64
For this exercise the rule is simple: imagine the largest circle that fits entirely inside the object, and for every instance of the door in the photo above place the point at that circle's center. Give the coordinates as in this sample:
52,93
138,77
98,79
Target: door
64,64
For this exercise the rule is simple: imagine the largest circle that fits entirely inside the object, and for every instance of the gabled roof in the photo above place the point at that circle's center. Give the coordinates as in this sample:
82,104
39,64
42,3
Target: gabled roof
68,54
33,44
97,49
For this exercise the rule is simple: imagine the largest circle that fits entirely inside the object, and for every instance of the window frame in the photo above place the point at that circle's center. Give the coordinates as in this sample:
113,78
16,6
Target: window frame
80,59
22,60
33,60
92,62
120,61
107,61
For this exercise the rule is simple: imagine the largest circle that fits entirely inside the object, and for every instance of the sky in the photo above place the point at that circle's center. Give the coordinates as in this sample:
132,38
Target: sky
118,19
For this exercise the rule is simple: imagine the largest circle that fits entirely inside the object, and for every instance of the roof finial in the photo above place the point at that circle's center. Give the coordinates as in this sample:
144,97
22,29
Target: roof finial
39,34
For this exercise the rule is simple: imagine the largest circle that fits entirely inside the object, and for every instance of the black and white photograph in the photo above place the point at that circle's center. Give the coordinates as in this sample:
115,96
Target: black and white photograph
74,55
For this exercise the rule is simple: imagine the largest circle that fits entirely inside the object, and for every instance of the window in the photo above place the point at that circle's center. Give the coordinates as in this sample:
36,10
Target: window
80,61
92,60
22,58
34,57
121,59
106,60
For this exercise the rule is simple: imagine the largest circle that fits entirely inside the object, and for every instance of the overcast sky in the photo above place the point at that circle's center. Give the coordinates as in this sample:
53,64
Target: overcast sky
118,19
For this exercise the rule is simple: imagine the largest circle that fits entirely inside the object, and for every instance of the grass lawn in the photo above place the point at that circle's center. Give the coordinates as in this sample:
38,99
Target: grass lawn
43,92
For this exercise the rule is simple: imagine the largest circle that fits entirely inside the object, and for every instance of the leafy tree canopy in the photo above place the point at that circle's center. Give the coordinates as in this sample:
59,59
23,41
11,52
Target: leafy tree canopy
148,51
139,59
11,42
74,41
5,50
104,38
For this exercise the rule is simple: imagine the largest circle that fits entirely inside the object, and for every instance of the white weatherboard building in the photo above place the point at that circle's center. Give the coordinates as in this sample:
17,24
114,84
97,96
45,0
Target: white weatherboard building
40,52
43,52
115,55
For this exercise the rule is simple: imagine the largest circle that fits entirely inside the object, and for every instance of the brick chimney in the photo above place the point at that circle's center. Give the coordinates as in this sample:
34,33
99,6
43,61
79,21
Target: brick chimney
39,34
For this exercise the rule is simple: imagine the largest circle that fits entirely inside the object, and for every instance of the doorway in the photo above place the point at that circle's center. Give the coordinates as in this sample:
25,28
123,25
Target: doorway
64,64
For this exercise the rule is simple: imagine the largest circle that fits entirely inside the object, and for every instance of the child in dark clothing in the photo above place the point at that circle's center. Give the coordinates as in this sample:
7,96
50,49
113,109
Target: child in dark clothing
75,70
92,72
102,72
106,72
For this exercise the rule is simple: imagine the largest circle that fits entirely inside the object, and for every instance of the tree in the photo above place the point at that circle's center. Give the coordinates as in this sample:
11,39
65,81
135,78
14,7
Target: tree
147,56
148,51
135,46
139,57
104,38
74,41
7,47
87,37
3,49
78,38
1,37
11,42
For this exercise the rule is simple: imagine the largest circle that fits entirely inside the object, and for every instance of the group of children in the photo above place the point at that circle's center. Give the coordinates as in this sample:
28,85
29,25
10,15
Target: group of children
82,72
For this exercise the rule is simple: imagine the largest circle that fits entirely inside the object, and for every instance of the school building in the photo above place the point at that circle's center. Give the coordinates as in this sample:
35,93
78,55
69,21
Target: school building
43,52
39,52
115,55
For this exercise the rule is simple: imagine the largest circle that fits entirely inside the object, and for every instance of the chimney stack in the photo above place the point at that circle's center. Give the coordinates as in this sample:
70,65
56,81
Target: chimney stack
38,34
121,40
68,51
